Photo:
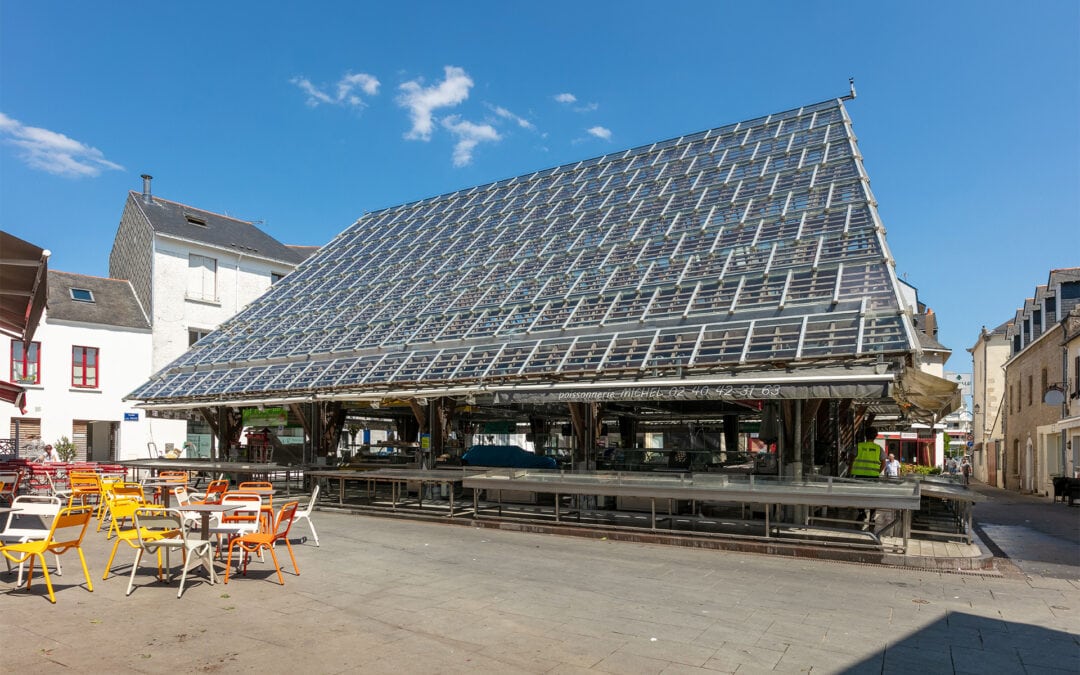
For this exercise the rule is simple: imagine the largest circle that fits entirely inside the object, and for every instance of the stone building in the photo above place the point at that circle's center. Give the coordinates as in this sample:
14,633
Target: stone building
1035,450
988,357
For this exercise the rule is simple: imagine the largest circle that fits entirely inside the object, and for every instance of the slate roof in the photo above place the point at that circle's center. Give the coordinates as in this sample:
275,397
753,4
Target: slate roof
749,246
1062,288
114,301
206,227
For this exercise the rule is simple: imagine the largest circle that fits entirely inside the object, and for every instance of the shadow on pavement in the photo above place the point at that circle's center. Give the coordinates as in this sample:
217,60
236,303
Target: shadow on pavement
964,643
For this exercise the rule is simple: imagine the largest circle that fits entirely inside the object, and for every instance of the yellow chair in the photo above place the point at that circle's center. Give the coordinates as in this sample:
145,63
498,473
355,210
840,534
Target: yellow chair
121,503
253,543
68,529
131,537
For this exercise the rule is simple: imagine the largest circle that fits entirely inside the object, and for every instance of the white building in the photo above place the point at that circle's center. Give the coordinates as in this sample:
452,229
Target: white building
192,269
176,272
92,347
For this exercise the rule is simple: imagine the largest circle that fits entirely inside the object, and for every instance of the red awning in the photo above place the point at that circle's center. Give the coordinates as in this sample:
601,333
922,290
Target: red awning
23,287
14,394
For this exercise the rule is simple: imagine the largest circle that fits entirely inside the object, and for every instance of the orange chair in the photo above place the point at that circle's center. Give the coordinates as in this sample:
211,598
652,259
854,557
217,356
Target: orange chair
214,492
85,487
9,485
68,529
253,543
262,488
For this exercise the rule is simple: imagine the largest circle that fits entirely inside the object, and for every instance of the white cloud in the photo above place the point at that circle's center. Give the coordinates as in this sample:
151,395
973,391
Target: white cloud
469,135
421,101
600,132
506,114
53,152
568,99
344,90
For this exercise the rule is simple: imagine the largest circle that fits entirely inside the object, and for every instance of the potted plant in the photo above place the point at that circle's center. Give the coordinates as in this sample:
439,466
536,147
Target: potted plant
66,449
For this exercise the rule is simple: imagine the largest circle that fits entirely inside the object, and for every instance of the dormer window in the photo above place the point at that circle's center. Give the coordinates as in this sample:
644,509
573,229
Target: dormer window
82,295
195,220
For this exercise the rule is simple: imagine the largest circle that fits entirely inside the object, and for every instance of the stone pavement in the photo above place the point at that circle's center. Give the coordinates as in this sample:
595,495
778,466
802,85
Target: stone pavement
1035,533
395,596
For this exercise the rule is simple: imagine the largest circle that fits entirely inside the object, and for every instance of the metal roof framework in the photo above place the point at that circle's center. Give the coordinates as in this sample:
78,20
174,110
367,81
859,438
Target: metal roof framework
734,251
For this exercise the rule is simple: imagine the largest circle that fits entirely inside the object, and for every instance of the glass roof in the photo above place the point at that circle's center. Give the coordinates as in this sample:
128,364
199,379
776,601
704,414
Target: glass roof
750,243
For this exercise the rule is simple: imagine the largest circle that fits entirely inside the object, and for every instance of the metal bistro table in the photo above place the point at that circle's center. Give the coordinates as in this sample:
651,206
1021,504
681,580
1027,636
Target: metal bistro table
204,511
165,485
398,478
702,487
212,467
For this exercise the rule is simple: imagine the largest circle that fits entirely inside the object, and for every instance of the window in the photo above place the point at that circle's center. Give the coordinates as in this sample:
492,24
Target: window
1076,376
1045,384
195,220
202,278
275,277
25,362
1031,386
84,367
82,295
196,334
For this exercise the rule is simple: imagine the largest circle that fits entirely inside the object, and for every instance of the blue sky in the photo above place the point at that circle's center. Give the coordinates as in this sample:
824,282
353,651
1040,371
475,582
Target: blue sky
306,115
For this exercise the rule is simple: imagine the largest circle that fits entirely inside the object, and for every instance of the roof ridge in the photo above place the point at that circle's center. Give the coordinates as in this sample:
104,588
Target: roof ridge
138,196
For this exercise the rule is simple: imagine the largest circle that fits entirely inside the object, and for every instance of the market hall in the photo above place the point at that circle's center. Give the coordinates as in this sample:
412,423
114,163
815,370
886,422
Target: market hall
702,290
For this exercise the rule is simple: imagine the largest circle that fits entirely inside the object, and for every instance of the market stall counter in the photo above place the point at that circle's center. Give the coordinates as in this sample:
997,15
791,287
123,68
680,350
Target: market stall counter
903,497
399,480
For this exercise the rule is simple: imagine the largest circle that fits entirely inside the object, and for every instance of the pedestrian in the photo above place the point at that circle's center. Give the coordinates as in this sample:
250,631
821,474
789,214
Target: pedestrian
50,454
892,467
869,458
953,466
965,470
868,464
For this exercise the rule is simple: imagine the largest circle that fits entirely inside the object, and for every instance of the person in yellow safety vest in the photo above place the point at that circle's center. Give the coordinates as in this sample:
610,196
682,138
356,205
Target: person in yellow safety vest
870,458
869,462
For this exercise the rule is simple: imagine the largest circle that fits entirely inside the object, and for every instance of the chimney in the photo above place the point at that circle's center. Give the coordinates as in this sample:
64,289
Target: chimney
146,196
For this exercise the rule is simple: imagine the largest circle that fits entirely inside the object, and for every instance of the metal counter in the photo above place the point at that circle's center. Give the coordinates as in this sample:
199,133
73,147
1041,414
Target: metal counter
768,490
210,466
398,478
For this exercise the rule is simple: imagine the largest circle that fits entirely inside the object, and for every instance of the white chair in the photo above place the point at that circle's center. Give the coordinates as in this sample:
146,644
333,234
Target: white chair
244,520
305,514
163,529
29,524
63,493
184,498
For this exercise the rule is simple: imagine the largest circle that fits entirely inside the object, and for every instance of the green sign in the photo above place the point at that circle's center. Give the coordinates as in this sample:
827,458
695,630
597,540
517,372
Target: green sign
267,417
